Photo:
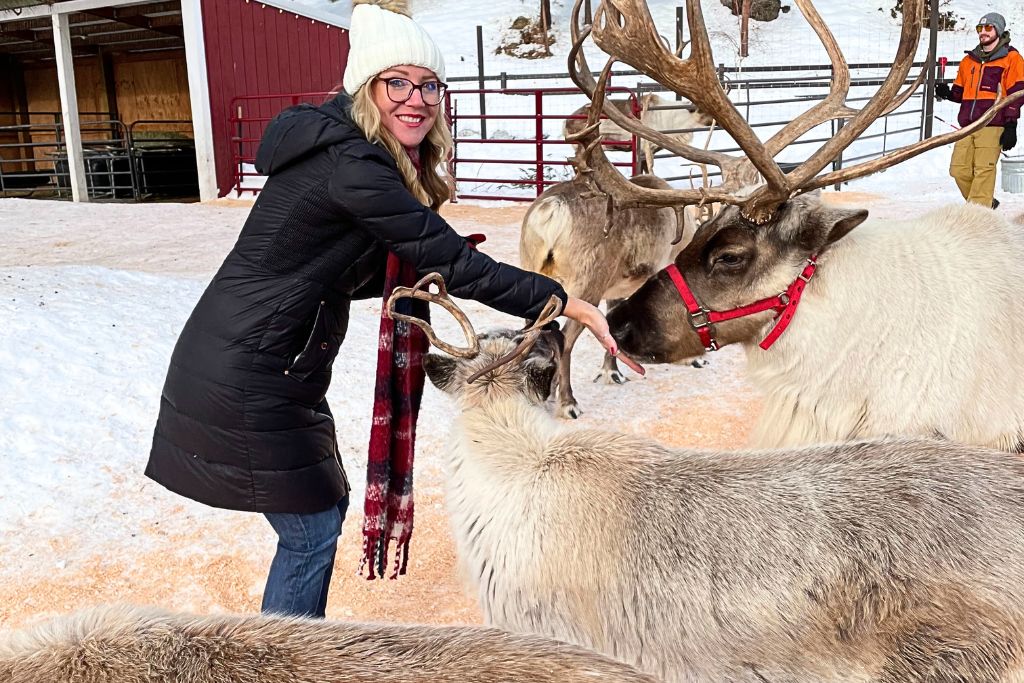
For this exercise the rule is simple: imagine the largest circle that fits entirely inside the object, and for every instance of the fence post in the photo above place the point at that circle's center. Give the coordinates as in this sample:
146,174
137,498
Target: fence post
929,84
837,125
449,115
539,136
480,80
239,172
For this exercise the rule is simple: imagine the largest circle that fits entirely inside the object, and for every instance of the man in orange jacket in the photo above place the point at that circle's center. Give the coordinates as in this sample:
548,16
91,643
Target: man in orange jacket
990,69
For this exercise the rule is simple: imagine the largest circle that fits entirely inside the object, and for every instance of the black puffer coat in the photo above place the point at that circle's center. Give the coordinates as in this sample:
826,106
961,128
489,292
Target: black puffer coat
243,422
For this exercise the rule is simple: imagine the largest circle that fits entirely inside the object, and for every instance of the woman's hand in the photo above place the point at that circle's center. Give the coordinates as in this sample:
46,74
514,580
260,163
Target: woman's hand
593,319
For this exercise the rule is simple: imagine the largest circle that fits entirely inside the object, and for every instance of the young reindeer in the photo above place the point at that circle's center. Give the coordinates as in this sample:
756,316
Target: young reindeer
901,327
123,644
880,561
622,250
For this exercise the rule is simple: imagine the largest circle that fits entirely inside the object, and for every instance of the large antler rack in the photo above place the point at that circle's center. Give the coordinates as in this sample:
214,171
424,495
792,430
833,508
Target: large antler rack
625,30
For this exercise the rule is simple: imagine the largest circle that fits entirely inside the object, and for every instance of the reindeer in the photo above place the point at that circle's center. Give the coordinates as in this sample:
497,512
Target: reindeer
622,252
878,561
911,326
123,644
654,111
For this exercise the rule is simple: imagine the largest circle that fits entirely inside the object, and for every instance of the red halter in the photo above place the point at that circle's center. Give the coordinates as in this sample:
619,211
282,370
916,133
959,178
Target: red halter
784,304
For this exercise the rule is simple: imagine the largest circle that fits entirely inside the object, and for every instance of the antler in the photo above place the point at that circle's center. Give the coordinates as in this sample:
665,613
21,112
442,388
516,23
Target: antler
580,72
834,105
552,309
594,168
420,291
625,30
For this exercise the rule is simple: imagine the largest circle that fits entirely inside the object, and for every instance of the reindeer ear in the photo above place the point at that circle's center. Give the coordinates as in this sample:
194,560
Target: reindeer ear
542,362
815,227
539,377
440,370
839,222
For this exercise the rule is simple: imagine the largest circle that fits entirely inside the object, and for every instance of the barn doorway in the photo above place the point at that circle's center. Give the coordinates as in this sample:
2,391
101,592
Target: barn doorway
133,103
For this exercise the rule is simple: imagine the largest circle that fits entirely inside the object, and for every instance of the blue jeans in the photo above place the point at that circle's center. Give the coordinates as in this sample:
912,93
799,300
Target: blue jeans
300,574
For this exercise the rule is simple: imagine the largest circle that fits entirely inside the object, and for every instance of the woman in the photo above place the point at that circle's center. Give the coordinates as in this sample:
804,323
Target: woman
243,421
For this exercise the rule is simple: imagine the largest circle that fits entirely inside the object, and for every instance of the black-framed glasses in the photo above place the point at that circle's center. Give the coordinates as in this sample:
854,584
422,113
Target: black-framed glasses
981,27
401,89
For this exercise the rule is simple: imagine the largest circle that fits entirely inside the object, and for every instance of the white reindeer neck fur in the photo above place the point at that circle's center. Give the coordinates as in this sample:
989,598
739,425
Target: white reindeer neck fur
882,320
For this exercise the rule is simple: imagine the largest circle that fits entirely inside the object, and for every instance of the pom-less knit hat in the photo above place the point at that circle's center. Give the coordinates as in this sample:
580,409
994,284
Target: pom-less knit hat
383,35
994,19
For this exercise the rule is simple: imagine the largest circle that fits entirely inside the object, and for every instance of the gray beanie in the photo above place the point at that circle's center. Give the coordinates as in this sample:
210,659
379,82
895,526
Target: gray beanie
996,20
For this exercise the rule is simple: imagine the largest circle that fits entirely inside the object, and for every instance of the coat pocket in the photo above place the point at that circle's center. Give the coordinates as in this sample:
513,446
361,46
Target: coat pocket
990,78
317,347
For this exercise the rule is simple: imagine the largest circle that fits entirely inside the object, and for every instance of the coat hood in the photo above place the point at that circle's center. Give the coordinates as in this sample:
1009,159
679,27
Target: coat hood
300,131
1001,49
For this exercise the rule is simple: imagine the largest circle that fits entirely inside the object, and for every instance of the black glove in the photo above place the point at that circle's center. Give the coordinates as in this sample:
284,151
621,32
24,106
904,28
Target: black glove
1008,140
942,91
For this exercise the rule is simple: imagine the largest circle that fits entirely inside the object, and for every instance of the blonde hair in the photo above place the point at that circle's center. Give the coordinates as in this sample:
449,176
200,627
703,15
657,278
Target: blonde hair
432,185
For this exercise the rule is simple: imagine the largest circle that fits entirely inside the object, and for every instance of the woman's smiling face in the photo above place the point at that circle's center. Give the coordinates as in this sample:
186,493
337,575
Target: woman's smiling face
409,121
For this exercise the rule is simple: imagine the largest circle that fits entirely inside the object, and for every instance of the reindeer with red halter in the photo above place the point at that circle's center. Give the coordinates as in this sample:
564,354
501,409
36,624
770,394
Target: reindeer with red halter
898,327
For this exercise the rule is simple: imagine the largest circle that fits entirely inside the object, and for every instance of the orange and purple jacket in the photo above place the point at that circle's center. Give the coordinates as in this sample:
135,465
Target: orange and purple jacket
980,79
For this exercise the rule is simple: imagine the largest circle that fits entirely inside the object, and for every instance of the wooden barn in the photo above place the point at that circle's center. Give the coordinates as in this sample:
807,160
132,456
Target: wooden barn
128,99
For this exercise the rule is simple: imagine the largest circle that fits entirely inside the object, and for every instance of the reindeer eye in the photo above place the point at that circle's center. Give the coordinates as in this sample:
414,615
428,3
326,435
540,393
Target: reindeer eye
728,260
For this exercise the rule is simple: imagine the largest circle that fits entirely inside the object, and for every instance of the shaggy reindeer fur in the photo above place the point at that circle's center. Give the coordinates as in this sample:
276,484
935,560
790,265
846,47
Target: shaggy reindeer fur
563,237
897,561
914,327
908,327
132,645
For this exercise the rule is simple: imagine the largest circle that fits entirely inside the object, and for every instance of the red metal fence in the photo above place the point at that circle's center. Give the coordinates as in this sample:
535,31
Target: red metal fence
548,106
248,119
250,114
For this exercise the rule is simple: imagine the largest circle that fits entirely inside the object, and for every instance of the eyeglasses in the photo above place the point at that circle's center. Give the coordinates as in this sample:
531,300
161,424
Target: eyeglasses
401,89
982,27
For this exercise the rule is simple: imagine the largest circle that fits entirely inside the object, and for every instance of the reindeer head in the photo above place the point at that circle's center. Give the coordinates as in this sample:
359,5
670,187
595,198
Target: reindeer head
625,30
754,248
530,374
496,364
730,262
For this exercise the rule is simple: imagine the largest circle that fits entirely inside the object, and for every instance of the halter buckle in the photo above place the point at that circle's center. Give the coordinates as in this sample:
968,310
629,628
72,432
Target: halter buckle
700,318
811,261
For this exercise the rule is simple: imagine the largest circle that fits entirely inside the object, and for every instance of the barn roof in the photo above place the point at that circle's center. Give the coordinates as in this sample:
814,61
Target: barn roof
27,35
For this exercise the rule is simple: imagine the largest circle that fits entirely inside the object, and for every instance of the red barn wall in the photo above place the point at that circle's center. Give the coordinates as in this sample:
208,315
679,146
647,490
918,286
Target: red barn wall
256,49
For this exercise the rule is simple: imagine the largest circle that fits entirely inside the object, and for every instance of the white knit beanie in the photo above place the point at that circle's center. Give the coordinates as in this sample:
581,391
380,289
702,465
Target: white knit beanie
381,36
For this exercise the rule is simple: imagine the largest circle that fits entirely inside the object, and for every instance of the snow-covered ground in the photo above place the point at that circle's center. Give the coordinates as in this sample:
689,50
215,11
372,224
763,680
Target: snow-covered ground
92,298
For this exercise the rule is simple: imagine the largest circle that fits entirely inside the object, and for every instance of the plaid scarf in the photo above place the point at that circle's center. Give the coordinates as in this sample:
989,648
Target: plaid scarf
388,509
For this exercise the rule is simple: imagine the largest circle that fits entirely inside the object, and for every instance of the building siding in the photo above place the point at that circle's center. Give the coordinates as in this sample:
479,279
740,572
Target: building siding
256,49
